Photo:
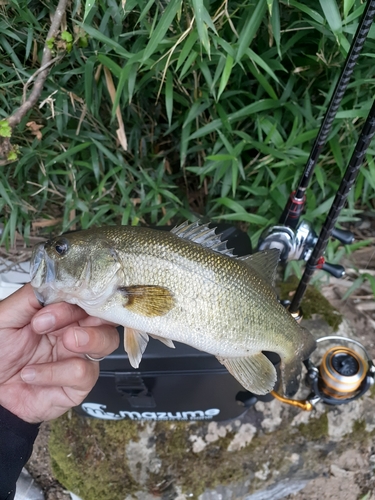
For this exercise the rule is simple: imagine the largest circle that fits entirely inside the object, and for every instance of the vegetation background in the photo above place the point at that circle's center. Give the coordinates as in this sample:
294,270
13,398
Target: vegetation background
157,110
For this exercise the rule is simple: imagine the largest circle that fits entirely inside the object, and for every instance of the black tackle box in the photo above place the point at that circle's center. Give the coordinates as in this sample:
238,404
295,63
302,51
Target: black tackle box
170,384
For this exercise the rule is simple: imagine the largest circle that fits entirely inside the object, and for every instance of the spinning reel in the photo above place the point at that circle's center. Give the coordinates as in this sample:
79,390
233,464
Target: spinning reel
344,373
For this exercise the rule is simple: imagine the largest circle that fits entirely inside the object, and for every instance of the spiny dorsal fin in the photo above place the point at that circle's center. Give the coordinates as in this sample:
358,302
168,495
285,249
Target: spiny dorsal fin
147,300
264,263
204,235
255,373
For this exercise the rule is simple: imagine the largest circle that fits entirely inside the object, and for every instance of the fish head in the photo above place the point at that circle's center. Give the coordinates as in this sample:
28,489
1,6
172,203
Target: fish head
78,267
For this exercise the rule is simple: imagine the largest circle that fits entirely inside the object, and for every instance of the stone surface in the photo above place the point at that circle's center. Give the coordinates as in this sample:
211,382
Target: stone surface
272,451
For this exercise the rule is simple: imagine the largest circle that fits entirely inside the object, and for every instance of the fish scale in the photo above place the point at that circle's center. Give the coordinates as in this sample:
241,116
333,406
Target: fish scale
182,285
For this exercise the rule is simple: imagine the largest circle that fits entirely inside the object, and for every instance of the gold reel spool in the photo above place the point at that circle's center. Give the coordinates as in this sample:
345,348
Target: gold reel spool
342,371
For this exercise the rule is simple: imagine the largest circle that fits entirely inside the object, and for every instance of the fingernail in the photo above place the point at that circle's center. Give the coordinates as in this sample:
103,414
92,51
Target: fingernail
82,337
28,374
44,323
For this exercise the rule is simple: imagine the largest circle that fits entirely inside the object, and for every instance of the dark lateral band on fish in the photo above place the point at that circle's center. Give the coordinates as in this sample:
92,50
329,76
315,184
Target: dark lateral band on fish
184,285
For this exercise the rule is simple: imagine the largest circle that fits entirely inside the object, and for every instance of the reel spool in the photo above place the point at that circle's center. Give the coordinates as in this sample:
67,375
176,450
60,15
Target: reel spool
345,373
342,372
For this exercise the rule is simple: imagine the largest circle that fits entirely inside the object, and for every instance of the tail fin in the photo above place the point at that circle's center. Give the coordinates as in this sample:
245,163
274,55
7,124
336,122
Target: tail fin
291,367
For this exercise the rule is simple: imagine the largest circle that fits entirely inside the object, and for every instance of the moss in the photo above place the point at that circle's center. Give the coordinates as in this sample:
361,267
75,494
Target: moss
195,472
315,429
358,432
88,456
313,303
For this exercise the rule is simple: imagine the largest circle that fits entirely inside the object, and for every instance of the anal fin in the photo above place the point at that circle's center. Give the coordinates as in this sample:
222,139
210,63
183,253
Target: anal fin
135,343
255,373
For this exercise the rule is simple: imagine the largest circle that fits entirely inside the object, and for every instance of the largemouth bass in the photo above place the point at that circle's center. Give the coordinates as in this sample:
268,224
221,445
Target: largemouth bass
183,285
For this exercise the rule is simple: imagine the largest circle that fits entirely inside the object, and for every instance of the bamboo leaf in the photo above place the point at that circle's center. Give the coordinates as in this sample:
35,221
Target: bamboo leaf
169,96
105,39
161,29
332,13
251,26
348,5
69,152
225,75
275,24
256,107
89,5
307,10
199,11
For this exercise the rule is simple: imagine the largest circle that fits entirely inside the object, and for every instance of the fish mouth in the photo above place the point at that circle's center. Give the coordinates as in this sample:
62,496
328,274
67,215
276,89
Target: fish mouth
36,260
42,273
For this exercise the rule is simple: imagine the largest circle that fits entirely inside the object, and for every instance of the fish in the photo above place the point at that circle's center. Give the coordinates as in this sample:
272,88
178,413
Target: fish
182,285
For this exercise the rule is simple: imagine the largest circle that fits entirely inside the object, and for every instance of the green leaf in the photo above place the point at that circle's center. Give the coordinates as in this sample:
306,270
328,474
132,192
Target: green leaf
97,35
356,284
68,153
269,5
50,43
371,280
307,10
12,156
332,13
89,5
5,129
161,29
255,107
186,49
4,194
348,4
66,36
245,217
251,26
169,96
225,75
275,24
199,12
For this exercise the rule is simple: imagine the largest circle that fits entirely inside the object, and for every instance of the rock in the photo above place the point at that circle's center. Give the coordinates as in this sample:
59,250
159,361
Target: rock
272,451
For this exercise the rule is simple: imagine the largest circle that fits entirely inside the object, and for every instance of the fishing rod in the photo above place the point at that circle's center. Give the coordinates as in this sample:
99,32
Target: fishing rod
295,204
296,239
344,374
346,184
346,371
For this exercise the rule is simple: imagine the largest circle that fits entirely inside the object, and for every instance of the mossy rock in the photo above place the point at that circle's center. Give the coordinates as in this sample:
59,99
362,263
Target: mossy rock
313,303
95,458
88,459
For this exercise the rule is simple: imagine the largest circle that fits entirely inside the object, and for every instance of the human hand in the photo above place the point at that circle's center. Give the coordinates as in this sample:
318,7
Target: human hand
43,368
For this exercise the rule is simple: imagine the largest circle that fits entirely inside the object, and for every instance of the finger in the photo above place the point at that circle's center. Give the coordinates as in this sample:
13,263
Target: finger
98,341
17,310
75,373
56,316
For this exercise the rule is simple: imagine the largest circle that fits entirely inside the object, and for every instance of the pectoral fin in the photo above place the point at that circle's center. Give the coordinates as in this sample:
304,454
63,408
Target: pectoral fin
147,300
163,340
135,343
255,373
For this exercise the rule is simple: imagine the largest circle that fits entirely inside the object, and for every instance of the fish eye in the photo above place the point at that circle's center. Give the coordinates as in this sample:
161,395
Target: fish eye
61,247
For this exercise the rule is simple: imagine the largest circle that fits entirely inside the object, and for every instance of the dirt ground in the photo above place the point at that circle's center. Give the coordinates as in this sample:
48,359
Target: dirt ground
342,481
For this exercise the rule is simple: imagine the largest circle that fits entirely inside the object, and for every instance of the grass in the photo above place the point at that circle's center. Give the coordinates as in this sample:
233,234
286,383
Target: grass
219,101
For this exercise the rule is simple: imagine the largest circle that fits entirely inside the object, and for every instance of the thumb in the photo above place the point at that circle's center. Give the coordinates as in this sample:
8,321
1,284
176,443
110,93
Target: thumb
17,310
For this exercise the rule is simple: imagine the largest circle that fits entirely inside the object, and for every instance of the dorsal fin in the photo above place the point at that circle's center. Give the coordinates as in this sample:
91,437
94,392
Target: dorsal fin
264,263
204,235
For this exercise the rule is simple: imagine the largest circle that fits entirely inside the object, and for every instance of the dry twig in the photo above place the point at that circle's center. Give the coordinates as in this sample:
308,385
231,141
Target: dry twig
39,78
